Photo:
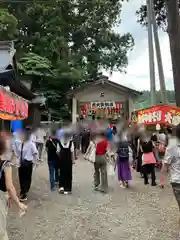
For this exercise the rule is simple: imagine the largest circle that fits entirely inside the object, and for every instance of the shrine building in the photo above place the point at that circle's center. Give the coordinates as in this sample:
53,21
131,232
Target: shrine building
102,99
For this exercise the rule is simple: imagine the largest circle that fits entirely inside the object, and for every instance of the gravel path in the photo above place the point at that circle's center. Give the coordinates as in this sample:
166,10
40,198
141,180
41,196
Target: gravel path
140,212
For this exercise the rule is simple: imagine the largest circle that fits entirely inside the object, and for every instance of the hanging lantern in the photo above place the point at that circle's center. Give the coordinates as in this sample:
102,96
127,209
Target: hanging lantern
118,106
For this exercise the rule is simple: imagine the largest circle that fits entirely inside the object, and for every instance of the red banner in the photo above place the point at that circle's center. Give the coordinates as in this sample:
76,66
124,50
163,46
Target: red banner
13,106
166,114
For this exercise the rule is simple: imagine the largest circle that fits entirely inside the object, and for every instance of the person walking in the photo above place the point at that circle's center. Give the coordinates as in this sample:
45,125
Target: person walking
148,162
85,139
6,186
109,133
171,164
40,138
100,165
139,156
27,155
66,160
76,141
124,157
52,159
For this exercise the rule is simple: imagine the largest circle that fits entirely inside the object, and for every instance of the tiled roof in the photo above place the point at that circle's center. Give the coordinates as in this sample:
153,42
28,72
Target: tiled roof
104,80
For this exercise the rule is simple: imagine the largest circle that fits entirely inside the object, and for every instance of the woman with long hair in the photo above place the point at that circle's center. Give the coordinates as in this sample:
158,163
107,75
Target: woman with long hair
6,186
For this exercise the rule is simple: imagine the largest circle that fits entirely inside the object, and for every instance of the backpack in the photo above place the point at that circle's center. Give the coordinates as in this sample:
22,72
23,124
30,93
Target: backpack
123,150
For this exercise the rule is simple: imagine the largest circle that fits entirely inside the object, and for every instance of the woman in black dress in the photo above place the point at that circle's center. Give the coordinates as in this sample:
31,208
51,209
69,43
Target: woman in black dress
66,160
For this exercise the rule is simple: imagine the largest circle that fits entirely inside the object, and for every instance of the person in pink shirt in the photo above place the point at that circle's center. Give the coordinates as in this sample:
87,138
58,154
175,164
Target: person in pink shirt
148,162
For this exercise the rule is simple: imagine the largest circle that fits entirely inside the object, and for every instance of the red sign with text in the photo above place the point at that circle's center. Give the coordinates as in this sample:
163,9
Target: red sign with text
166,114
12,105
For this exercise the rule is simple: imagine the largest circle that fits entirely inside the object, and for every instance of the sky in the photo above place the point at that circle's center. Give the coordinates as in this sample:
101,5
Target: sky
137,75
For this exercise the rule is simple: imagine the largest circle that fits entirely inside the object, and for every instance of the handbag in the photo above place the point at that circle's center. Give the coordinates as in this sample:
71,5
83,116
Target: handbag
110,170
90,154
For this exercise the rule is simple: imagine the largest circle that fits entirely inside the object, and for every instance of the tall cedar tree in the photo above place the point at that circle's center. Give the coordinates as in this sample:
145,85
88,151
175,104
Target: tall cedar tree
168,18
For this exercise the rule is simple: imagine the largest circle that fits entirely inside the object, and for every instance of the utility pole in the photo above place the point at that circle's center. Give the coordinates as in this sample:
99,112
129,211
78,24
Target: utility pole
159,57
151,55
173,19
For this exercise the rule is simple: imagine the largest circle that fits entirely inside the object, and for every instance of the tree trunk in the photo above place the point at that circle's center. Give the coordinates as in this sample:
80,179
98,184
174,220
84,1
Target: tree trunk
173,19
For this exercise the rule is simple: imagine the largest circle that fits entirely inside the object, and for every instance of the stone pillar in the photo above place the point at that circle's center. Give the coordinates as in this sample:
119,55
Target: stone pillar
74,110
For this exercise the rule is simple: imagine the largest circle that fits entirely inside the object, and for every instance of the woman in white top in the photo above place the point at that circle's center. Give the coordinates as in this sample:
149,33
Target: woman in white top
27,153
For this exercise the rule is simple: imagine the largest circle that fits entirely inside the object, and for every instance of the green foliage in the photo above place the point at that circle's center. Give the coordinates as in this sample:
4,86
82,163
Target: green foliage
34,65
75,37
160,12
8,25
144,100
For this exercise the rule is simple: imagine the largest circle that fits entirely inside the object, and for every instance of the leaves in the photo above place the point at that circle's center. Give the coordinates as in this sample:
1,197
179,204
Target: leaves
160,12
8,26
35,65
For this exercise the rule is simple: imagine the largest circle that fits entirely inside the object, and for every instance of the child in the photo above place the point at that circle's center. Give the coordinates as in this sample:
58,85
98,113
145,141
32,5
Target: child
148,162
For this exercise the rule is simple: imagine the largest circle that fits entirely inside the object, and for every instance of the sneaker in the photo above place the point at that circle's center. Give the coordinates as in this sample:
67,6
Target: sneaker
122,185
67,192
126,184
154,184
96,188
61,190
23,198
103,191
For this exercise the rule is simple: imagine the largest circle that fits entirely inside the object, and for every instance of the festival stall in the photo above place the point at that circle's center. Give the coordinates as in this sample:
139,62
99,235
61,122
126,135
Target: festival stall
12,107
155,118
158,114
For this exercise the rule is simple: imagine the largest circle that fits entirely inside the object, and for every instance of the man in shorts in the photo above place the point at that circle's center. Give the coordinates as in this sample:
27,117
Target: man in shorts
171,164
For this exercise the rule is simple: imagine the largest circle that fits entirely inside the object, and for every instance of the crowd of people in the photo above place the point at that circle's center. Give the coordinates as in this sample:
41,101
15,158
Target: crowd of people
110,148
